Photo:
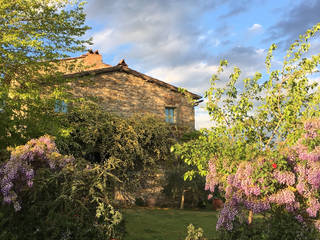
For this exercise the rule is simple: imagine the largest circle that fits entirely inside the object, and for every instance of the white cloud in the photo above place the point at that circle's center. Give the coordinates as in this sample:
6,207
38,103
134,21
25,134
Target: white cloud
255,27
202,119
195,77
260,51
105,41
170,36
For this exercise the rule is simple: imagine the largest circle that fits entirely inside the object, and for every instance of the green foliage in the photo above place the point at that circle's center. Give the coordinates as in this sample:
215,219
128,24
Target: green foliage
33,33
251,118
194,233
175,186
254,119
188,96
187,136
280,225
196,151
73,203
134,147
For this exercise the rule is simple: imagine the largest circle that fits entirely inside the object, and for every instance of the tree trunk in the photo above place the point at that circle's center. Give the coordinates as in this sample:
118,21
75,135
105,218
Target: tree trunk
250,217
182,199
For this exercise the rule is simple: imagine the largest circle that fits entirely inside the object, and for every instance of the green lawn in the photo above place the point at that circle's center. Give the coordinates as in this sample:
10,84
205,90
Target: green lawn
167,224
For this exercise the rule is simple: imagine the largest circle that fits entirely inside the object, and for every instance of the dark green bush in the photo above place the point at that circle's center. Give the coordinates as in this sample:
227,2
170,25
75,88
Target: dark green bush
140,202
133,147
278,226
72,203
175,185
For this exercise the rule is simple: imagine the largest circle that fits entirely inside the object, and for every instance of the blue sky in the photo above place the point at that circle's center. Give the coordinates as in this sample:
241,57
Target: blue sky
182,41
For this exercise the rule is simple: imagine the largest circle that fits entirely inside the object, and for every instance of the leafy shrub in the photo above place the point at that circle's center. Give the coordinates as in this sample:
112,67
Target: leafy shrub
279,225
134,147
71,202
194,233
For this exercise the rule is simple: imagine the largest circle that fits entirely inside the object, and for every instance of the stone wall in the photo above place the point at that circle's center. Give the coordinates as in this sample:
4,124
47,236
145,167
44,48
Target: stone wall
123,93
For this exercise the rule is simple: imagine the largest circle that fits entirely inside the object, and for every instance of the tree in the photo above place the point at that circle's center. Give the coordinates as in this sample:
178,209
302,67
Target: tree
256,150
33,34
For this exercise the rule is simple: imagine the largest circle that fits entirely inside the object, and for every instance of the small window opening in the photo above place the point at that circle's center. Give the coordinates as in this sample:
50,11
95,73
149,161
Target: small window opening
170,114
60,106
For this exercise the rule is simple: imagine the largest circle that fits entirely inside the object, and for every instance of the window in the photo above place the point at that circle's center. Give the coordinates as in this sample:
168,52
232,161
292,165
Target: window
170,114
60,106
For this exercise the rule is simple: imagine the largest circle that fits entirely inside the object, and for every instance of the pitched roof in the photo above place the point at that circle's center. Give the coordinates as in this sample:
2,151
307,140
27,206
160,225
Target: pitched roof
123,67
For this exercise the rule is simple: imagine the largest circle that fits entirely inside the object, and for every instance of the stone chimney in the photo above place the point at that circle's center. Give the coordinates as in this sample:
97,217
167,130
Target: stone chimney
89,61
93,60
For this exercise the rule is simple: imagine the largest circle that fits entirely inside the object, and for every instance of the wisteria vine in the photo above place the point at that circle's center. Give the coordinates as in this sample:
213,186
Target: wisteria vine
19,171
293,184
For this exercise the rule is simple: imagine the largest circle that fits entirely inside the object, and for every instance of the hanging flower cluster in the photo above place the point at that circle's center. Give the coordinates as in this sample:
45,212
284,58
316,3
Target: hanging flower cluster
19,171
292,182
211,178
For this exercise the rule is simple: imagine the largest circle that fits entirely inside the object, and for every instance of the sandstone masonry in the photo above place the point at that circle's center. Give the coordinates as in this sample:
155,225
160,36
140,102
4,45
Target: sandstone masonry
124,91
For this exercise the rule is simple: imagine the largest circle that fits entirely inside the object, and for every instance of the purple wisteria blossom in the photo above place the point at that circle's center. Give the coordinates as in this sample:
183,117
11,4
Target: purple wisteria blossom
243,181
313,156
229,191
301,170
301,187
257,206
284,196
312,127
285,177
211,178
296,189
24,161
304,153
228,213
313,208
293,207
313,175
299,218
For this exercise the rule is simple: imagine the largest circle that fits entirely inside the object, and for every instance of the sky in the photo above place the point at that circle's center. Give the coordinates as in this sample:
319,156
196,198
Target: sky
182,41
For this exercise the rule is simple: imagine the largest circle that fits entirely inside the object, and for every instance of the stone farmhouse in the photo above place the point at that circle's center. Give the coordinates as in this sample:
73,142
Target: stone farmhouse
124,91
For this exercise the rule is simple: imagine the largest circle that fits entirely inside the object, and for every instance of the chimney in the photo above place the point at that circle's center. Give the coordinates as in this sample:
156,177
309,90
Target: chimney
93,60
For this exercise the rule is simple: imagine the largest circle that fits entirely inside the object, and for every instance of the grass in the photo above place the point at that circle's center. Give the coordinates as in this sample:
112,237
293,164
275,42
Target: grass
167,224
